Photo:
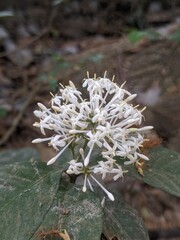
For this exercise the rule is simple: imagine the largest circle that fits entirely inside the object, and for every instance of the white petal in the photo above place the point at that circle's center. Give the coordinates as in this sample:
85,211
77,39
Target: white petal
143,156
110,196
145,128
39,140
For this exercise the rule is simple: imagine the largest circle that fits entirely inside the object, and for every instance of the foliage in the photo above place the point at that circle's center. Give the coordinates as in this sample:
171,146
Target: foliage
163,170
3,112
175,36
136,35
122,221
36,198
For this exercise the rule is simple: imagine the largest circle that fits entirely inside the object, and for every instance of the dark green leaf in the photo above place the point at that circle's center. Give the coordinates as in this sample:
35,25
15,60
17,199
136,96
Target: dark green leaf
122,221
30,201
80,214
17,155
162,171
27,190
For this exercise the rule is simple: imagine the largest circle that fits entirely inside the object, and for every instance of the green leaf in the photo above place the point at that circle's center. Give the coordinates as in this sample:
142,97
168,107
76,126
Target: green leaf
85,218
3,112
136,35
27,190
122,221
53,85
175,36
162,171
32,200
17,155
79,213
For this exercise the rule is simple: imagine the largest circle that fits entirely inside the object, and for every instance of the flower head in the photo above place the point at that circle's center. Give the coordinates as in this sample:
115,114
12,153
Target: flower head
105,120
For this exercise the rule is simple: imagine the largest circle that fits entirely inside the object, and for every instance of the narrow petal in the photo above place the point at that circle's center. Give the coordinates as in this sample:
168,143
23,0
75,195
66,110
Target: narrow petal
110,196
52,160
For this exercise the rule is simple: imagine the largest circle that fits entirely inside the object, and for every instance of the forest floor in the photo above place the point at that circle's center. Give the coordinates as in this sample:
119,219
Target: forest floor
32,66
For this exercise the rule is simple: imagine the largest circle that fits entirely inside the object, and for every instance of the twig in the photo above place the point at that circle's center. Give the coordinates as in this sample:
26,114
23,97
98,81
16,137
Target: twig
16,121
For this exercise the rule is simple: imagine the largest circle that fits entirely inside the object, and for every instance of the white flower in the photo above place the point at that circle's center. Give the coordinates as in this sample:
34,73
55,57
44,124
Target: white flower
104,167
106,120
75,167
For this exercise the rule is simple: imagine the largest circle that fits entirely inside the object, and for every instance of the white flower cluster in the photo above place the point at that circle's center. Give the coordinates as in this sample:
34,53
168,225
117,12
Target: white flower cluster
105,120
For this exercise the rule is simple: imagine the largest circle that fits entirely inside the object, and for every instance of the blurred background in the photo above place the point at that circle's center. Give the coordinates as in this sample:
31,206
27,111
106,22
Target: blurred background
44,43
